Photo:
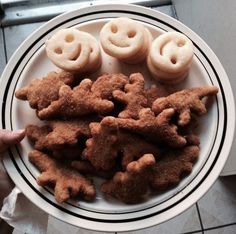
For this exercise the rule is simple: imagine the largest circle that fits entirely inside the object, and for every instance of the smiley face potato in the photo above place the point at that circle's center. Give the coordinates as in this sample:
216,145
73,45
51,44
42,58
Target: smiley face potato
74,51
126,40
170,57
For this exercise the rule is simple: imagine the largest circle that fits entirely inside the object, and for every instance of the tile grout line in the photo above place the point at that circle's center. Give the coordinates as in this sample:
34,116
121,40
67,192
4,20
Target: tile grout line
220,226
193,232
174,11
199,216
4,44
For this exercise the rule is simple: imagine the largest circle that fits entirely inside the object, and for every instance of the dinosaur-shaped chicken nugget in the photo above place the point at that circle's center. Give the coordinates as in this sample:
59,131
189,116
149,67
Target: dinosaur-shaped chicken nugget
37,135
172,166
67,182
102,148
133,97
131,186
184,102
107,83
77,102
154,128
68,132
40,93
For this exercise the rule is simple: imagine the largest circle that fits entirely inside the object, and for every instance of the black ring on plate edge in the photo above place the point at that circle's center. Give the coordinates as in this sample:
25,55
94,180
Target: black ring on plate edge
131,219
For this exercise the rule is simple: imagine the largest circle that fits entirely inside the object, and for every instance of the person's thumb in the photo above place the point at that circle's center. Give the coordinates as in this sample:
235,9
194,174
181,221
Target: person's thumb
10,138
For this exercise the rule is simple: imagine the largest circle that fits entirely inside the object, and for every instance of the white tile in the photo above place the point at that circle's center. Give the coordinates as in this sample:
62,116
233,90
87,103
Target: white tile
222,230
15,35
218,206
188,221
215,23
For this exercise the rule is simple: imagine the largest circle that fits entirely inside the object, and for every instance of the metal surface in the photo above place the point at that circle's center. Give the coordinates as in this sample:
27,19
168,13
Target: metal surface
23,11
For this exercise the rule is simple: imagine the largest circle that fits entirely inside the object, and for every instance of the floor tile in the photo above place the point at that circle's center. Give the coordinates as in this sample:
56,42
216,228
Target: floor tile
15,35
218,206
2,52
168,10
188,221
56,226
223,230
216,28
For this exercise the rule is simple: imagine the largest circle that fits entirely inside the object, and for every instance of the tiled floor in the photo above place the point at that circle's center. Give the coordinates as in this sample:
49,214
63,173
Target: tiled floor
214,213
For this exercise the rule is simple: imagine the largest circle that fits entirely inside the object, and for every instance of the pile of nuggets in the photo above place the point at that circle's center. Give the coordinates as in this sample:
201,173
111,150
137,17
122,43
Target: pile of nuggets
138,139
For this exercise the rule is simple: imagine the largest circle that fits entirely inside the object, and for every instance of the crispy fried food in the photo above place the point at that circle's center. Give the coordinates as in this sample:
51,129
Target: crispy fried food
131,186
40,93
105,85
154,128
57,133
67,183
68,152
69,131
102,148
155,92
77,102
172,166
85,167
132,147
133,96
184,102
37,134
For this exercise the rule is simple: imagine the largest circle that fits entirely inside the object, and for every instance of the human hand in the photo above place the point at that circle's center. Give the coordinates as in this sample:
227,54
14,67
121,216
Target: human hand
7,138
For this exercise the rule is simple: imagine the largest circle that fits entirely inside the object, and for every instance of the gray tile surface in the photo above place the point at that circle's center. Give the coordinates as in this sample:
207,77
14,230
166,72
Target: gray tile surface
2,53
188,221
17,34
223,230
56,226
168,10
218,206
215,23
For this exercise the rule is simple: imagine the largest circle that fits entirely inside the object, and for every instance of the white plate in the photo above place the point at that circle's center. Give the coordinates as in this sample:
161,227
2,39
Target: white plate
216,130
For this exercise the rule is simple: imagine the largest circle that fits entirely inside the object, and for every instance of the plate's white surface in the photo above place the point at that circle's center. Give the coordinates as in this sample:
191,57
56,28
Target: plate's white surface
216,130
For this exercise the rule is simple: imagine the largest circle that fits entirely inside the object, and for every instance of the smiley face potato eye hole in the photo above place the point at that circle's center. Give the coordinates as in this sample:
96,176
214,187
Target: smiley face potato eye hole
173,60
131,34
180,43
69,38
114,28
58,50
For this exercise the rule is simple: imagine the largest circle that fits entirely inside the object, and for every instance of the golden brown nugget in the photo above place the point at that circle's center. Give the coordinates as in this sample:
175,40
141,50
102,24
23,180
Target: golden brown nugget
133,96
104,85
76,102
185,102
68,152
132,185
102,149
68,132
41,92
155,92
67,183
169,170
132,147
154,128
85,167
57,133
37,135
